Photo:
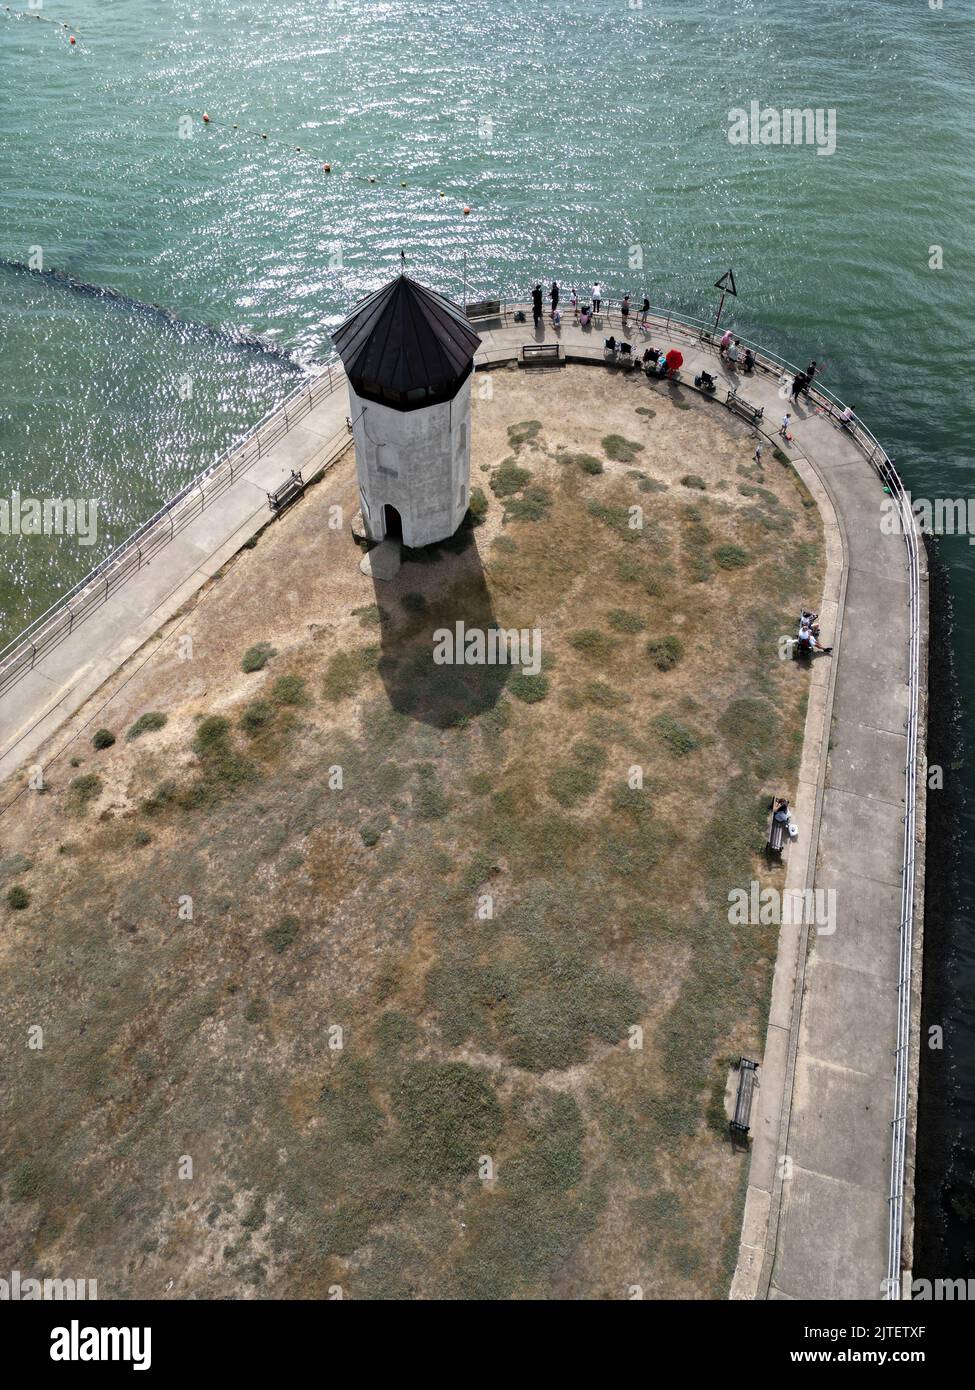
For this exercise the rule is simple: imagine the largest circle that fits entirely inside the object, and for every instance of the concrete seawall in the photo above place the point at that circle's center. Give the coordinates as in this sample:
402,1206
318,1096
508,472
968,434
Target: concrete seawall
818,1209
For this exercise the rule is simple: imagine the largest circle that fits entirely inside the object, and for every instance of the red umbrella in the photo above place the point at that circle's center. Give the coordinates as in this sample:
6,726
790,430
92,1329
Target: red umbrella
675,359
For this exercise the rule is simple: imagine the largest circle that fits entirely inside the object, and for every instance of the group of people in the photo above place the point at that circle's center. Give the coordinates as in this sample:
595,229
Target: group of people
802,381
808,641
584,314
731,351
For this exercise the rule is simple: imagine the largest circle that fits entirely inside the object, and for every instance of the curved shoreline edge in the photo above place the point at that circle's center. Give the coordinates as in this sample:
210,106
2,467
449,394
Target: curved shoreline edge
809,1230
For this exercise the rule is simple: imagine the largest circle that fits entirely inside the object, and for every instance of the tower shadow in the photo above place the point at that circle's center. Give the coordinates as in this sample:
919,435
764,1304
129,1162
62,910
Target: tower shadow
437,587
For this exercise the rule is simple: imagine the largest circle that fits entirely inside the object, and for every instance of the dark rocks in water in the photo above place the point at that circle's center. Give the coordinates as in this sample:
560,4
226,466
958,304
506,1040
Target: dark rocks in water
235,337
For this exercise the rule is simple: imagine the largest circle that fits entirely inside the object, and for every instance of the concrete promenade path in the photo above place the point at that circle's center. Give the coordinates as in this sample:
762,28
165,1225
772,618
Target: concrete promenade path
816,1213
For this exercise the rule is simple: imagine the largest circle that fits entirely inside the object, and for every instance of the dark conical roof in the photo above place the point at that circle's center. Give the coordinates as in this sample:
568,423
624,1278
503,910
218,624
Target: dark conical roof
406,346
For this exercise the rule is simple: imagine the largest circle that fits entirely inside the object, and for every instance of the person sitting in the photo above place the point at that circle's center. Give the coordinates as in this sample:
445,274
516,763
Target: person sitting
662,364
609,345
704,382
847,419
585,316
748,365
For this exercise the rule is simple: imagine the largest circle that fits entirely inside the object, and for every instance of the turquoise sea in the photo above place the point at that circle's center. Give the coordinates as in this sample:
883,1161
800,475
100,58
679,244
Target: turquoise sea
575,130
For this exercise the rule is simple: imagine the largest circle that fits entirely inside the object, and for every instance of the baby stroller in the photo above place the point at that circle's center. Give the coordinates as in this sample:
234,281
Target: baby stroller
705,382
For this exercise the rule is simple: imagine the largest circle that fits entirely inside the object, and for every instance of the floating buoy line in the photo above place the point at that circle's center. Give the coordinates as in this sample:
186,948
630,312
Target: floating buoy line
60,24
327,165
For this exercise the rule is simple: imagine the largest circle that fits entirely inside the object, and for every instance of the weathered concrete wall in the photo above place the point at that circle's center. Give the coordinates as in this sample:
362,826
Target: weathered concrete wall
418,461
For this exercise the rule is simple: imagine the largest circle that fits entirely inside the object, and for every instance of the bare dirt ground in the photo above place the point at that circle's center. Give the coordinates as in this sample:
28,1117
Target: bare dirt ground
418,980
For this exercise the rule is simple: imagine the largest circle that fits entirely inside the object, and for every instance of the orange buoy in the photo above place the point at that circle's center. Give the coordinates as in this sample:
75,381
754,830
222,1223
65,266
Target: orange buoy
327,168
206,118
467,212
72,39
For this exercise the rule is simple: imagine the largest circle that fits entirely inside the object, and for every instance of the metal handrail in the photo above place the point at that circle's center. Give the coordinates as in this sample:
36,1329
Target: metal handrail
217,477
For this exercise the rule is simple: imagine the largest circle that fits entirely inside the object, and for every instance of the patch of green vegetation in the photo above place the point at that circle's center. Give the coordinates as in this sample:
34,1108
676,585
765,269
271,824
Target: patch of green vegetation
18,897
103,738
665,652
595,646
623,621
414,603
645,410
256,658
429,800
479,783
81,790
652,485
617,518
569,784
448,1116
373,830
165,795
279,938
346,671
289,690
623,450
256,717
530,688
27,1181
694,480
223,769
588,463
531,506
696,538
780,455
505,544
731,557
508,478
605,696
750,728
370,614
256,1011
477,507
146,723
526,432
680,739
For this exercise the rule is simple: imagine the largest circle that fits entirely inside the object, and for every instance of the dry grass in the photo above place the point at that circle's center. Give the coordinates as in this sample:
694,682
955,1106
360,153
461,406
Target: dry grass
449,865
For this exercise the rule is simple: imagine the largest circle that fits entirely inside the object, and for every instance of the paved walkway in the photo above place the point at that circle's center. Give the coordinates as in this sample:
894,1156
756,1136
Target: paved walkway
816,1210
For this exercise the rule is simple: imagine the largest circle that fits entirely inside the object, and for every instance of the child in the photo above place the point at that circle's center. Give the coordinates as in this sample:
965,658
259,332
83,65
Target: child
758,454
784,431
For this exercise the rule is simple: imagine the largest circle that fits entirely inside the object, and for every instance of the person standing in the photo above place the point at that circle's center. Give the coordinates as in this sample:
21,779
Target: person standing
597,296
732,353
725,341
553,295
537,304
645,312
625,311
784,427
799,382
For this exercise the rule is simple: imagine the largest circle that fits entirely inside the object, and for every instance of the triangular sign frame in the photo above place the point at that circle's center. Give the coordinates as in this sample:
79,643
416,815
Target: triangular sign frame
726,283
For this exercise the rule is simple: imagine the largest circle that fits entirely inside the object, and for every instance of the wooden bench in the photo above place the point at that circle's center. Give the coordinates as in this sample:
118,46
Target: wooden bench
776,829
739,1124
535,354
289,491
484,309
752,413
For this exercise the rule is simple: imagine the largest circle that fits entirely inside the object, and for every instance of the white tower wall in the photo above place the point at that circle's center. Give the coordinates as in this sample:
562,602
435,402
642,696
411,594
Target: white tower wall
418,461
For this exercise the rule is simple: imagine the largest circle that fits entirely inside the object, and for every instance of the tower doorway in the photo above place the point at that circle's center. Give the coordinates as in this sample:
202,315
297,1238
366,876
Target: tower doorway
392,524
